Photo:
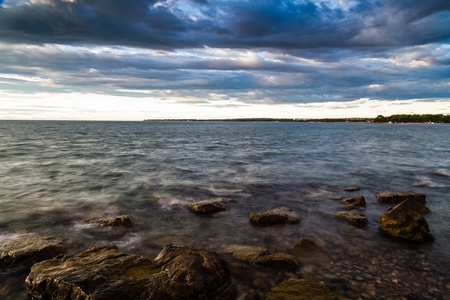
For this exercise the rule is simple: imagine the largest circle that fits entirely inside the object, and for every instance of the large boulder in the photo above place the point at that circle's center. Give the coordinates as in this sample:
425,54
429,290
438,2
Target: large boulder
354,217
353,202
103,272
398,197
405,221
277,215
301,289
28,249
211,206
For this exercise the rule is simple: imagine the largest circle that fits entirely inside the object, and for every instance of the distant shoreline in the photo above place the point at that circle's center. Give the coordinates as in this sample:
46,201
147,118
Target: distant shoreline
250,120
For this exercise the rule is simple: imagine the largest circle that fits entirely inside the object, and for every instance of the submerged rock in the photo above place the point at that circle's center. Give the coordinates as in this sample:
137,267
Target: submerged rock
354,217
246,253
211,206
395,197
353,202
28,249
301,289
306,245
277,215
124,220
405,221
260,256
350,188
278,260
103,272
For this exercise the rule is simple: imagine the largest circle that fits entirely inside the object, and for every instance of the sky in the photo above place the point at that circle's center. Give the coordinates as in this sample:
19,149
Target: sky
213,59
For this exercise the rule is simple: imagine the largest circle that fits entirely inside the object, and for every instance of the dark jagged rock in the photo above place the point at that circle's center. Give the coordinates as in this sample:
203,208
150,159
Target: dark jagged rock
354,217
211,206
395,197
28,249
103,272
353,202
277,215
301,289
306,245
405,221
260,256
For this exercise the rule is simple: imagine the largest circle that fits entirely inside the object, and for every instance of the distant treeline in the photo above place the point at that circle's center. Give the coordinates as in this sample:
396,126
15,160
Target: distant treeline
380,119
427,118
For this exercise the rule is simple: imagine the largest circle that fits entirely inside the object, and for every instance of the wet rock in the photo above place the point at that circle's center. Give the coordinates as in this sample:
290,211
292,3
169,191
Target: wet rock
306,245
246,253
260,256
211,206
301,289
354,217
395,197
405,221
353,202
28,249
278,260
124,220
351,188
103,272
277,215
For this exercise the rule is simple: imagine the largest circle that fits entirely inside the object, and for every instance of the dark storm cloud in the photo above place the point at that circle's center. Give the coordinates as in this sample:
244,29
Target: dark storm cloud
258,23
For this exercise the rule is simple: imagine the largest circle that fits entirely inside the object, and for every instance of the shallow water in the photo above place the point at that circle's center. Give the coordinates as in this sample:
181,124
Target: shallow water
55,175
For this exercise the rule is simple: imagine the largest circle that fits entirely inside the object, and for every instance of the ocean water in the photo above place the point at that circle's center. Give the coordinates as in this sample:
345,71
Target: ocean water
56,175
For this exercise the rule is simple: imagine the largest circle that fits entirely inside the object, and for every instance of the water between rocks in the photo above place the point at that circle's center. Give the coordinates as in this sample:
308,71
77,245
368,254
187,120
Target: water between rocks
55,175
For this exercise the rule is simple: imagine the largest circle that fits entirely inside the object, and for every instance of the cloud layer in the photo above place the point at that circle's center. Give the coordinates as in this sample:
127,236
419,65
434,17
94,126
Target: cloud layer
260,51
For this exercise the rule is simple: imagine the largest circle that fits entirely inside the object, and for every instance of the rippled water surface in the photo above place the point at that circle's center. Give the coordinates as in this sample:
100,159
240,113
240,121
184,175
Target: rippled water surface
56,175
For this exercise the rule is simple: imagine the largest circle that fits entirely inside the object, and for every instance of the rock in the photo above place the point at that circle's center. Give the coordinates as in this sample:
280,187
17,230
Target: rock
260,256
278,260
306,245
351,188
246,253
117,221
211,206
405,221
354,217
28,249
277,215
103,272
124,220
353,202
301,289
394,197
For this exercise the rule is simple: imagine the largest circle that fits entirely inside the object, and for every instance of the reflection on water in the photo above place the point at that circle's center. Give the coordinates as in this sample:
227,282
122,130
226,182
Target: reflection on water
56,175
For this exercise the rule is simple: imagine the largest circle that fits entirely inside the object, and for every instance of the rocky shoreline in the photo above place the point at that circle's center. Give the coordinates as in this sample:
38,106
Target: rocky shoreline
322,268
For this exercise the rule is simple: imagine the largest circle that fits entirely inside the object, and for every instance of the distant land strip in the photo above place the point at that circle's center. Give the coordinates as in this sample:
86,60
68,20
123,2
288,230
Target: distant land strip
426,118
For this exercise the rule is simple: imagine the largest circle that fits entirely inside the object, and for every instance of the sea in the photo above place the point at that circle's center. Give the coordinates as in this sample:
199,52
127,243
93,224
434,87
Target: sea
55,176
